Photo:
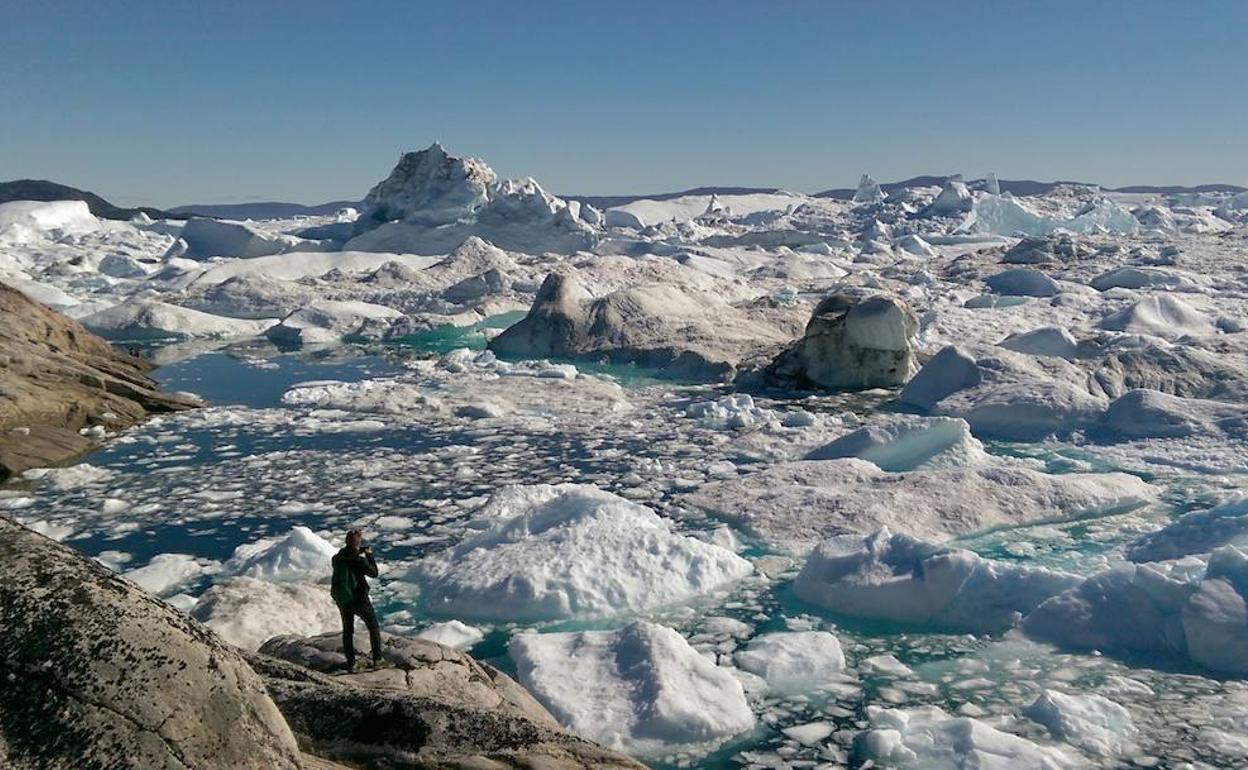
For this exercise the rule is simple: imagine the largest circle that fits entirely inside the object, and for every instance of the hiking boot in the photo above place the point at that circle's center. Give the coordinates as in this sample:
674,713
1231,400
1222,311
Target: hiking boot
350,666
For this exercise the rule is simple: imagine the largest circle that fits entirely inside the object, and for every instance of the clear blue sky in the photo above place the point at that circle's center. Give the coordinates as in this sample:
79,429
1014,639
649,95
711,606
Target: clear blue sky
220,100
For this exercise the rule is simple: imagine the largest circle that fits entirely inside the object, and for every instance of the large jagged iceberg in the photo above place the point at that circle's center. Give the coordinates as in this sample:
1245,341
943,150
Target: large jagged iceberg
432,202
1004,215
954,198
428,188
868,191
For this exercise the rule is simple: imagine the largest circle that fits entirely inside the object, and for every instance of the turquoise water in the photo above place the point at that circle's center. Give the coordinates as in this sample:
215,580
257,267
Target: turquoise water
444,339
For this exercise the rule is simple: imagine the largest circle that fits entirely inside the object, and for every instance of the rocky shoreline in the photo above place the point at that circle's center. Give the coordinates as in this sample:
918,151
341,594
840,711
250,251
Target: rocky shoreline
62,388
97,673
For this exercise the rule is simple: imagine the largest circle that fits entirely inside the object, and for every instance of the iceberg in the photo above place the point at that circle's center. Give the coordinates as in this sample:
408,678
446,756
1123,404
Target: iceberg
1195,533
1090,722
641,689
206,238
793,662
1186,609
928,738
301,555
902,579
854,343
1022,282
247,612
1003,215
954,198
432,202
580,553
328,321
149,319
26,221
1160,315
1052,341
905,442
868,191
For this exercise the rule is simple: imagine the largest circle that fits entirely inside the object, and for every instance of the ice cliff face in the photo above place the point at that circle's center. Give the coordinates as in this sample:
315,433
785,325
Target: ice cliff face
432,202
429,188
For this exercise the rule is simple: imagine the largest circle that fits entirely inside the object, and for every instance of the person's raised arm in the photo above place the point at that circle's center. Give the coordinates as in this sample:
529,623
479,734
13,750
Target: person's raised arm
370,567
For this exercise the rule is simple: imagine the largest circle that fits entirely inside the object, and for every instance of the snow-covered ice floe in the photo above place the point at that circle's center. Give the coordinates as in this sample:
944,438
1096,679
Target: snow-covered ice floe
791,662
899,578
641,688
1090,722
928,738
247,611
573,551
1192,609
796,505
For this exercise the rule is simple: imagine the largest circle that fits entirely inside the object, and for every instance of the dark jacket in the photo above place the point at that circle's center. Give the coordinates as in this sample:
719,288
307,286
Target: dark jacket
360,565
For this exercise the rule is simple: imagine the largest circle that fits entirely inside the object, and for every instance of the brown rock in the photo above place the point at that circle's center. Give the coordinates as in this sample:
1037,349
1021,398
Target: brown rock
96,673
432,707
57,378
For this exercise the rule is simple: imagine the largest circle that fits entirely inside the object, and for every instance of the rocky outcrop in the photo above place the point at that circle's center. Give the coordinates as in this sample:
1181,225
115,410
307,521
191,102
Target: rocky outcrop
681,333
57,379
432,706
852,343
96,673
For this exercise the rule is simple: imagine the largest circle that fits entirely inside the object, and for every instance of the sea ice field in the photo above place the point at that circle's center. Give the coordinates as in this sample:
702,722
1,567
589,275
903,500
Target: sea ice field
943,477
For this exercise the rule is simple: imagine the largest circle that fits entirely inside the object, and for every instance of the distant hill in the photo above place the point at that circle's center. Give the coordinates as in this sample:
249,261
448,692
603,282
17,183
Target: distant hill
1030,187
261,210
1012,186
1176,190
43,190
610,201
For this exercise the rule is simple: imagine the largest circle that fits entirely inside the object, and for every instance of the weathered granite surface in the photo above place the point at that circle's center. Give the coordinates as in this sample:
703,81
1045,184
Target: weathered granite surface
56,378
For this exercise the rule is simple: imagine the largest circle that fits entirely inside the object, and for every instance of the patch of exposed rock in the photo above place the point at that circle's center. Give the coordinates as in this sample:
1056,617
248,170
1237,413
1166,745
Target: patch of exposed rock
433,706
57,380
96,673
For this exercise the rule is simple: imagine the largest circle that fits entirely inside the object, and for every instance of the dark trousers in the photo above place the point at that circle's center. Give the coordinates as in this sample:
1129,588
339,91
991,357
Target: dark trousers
364,608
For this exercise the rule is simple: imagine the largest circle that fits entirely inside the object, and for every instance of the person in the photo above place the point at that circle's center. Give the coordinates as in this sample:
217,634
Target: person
353,565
